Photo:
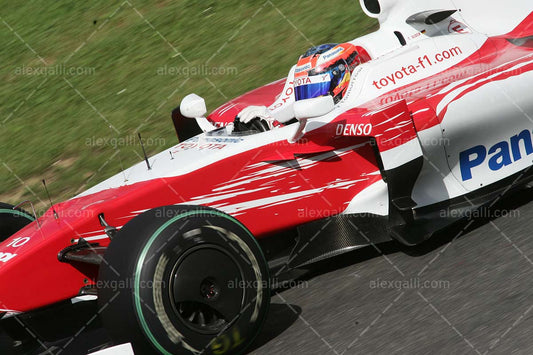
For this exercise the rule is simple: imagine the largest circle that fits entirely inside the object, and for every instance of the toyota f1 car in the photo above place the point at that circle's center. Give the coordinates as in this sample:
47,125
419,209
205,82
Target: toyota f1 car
180,250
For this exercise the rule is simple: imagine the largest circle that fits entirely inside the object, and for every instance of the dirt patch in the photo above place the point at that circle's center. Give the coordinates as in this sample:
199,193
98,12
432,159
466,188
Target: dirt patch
64,163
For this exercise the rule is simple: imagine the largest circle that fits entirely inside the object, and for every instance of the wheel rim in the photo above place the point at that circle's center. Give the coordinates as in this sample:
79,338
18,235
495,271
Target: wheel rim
206,290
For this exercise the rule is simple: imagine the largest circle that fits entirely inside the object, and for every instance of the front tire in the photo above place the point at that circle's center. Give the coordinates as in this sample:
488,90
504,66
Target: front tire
184,280
12,220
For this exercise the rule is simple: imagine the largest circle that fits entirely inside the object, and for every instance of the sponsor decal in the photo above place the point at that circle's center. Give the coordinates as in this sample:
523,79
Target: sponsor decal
302,68
418,34
354,129
302,81
312,80
287,95
457,27
5,257
209,143
332,53
223,140
424,62
200,146
498,156
415,90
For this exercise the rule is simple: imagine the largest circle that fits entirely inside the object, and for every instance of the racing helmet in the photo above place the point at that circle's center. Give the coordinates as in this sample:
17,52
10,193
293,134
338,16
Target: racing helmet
326,70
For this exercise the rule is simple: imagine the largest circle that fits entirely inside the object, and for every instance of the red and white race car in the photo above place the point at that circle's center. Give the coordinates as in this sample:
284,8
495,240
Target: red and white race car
180,249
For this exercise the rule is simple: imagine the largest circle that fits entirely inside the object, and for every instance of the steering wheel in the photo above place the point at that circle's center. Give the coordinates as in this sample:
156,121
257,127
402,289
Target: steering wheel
256,125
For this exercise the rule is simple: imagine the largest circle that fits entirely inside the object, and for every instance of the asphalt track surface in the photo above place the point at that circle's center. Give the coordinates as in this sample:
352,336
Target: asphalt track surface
479,298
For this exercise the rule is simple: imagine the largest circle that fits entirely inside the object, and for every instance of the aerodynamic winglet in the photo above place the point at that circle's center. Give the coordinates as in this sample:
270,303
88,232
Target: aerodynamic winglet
431,17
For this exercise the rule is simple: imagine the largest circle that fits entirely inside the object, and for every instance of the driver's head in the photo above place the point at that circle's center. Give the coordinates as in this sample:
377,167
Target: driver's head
326,70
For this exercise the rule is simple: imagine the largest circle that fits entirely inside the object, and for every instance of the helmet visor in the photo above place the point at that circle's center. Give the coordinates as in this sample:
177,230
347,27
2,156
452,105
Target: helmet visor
312,87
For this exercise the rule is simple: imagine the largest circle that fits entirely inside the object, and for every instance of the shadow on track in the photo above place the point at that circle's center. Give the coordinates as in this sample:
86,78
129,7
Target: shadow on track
511,201
280,318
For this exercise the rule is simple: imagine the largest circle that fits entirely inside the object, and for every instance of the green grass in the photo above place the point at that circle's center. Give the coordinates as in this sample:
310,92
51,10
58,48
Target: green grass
48,130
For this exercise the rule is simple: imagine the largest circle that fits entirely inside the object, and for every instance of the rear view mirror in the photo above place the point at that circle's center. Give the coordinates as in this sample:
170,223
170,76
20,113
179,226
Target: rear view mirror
310,108
193,106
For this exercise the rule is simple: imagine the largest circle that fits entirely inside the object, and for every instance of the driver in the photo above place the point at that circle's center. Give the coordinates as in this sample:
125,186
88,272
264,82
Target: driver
322,70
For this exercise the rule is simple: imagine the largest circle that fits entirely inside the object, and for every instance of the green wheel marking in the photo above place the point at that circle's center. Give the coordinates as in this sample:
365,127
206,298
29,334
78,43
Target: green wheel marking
140,263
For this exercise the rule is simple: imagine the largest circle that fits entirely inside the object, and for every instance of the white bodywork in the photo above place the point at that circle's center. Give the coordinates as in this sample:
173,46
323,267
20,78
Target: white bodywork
503,107
488,17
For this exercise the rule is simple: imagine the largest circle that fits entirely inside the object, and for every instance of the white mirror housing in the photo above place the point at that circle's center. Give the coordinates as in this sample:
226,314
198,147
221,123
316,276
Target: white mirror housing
310,108
193,106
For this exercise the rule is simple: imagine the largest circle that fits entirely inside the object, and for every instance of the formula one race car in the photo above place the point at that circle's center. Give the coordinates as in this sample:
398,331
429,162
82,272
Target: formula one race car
180,249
